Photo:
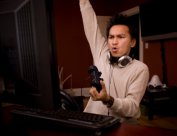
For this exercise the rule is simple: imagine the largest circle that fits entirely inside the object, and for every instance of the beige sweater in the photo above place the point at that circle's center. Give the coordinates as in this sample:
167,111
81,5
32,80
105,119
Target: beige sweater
127,85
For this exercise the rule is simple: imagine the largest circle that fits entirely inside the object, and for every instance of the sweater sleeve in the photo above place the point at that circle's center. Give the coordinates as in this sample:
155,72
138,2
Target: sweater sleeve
92,31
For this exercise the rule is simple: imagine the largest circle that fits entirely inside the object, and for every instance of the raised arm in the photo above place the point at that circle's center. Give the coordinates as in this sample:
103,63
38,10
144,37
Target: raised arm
91,28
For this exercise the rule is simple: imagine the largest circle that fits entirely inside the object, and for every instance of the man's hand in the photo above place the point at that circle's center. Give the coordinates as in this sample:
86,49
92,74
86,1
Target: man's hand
99,96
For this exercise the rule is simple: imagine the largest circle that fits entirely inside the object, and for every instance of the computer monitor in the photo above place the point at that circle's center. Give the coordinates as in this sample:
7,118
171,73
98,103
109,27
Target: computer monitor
157,20
29,52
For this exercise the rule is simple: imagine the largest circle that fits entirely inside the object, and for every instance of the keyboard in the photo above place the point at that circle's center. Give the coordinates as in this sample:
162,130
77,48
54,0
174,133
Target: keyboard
66,118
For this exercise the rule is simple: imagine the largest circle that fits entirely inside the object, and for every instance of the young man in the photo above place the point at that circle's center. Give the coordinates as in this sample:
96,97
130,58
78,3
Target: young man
123,84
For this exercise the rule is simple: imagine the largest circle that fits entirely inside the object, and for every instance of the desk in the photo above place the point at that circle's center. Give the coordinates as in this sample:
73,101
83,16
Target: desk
160,100
122,130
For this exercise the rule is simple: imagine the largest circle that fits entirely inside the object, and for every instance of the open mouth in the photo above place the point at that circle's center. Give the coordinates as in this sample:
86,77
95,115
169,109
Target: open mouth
114,50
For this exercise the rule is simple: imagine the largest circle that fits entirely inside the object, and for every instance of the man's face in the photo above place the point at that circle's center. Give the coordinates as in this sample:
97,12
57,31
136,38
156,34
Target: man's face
120,41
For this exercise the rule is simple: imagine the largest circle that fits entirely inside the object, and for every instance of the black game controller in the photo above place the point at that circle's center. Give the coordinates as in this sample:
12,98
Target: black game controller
95,77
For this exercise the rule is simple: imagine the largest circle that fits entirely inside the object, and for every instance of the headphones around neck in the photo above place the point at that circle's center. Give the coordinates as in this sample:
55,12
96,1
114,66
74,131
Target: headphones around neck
120,61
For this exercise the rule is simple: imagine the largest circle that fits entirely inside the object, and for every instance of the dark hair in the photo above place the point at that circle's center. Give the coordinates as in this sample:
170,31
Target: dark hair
120,19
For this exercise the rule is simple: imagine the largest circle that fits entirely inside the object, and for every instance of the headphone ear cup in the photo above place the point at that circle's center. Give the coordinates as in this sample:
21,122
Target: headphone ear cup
109,58
108,55
124,61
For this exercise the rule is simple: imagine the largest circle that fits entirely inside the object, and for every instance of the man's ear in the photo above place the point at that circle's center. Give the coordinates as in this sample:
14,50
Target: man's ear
133,43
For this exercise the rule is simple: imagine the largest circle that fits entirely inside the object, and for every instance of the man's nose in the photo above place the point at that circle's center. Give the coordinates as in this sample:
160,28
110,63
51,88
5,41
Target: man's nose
115,41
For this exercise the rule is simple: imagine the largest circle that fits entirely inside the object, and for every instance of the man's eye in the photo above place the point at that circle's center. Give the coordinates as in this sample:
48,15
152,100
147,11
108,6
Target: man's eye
110,37
121,36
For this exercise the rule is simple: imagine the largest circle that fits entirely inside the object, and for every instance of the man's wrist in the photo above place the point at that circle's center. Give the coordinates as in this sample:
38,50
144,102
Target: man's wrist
109,102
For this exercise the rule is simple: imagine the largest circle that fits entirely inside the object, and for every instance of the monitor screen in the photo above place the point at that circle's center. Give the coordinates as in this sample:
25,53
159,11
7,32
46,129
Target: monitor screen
29,52
157,20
